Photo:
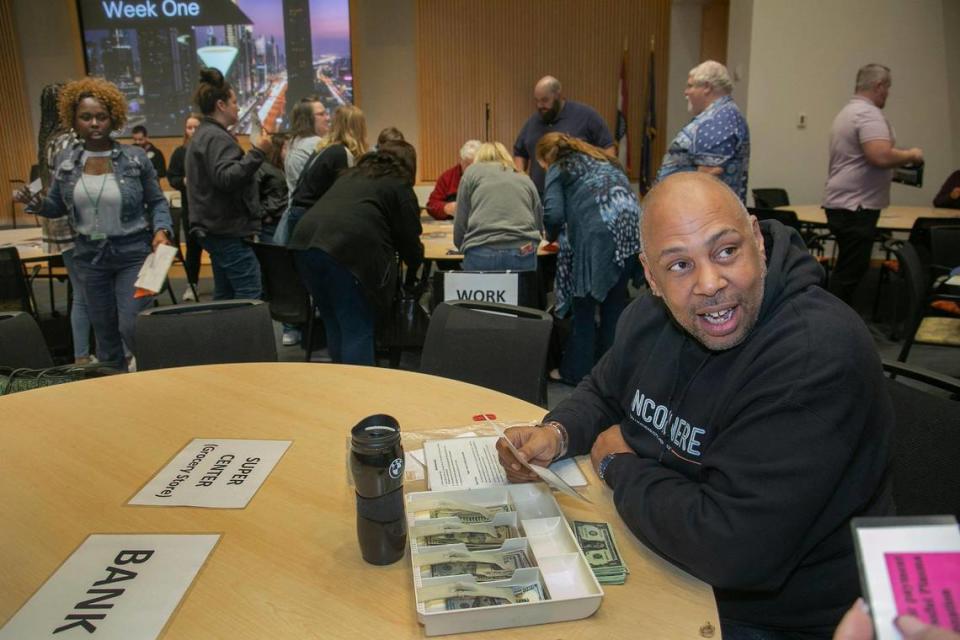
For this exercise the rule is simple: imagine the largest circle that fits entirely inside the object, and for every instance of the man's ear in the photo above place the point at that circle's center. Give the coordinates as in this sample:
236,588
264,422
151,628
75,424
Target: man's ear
654,289
757,233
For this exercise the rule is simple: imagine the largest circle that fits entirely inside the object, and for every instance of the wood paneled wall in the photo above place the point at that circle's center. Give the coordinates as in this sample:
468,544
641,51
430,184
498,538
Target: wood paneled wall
17,147
713,31
471,53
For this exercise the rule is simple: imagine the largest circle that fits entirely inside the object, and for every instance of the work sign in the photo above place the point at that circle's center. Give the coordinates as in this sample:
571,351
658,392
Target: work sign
114,586
213,472
480,287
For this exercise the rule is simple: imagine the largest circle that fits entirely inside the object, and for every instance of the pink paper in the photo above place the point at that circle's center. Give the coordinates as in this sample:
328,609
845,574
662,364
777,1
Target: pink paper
927,586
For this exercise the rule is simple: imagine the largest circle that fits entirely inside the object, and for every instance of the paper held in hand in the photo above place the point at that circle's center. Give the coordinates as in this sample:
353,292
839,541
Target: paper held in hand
545,474
153,273
473,463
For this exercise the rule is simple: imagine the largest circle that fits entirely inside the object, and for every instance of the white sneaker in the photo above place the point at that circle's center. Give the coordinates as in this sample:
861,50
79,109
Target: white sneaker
291,337
188,296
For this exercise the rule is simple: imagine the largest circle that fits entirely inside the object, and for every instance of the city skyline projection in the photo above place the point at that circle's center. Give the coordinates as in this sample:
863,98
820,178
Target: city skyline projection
283,50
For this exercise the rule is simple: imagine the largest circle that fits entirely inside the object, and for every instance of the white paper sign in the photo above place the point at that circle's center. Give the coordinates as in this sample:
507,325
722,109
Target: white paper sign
481,287
113,587
213,472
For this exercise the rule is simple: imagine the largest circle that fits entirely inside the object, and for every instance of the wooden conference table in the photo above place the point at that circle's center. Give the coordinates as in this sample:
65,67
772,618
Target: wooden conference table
26,240
893,218
288,565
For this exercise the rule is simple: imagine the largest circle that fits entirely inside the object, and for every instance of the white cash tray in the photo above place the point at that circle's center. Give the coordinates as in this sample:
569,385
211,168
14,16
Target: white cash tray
572,588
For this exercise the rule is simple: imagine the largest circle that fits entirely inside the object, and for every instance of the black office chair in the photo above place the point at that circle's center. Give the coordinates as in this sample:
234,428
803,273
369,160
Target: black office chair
926,441
770,198
923,323
498,346
16,290
21,342
290,301
815,241
921,237
205,333
944,249
530,292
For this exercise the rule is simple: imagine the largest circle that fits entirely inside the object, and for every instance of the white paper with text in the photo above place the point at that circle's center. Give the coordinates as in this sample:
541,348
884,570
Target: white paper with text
113,587
213,472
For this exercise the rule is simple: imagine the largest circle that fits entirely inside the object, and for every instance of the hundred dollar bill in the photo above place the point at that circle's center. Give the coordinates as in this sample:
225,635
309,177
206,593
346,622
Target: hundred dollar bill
596,541
474,536
460,595
485,565
465,512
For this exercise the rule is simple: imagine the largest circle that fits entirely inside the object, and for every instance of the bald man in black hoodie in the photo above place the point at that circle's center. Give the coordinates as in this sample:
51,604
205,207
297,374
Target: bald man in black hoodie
740,418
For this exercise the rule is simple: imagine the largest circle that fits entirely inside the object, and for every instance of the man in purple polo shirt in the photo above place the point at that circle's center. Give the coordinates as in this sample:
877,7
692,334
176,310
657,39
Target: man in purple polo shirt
862,158
554,113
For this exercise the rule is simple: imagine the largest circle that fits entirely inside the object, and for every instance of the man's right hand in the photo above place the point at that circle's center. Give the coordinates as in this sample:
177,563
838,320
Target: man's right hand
450,208
536,445
916,155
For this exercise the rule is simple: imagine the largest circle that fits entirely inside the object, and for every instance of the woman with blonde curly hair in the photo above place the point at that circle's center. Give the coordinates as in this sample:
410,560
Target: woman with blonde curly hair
111,193
591,209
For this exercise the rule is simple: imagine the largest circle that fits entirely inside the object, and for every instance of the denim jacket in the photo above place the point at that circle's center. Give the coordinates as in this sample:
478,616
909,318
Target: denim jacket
143,205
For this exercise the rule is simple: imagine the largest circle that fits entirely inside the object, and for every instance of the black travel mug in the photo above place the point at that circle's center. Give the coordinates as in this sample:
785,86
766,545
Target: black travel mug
376,462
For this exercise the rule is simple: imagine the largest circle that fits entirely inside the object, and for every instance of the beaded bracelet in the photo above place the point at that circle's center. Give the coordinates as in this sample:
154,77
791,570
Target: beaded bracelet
564,438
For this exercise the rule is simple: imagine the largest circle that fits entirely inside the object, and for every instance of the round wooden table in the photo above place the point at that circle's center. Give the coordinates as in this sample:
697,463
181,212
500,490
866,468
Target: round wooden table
893,218
288,565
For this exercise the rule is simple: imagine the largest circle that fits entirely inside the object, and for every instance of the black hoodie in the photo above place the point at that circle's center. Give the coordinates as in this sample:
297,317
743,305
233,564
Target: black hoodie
750,461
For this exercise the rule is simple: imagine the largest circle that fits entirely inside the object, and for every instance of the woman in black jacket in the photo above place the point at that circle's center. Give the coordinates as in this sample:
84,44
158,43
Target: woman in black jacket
177,174
346,247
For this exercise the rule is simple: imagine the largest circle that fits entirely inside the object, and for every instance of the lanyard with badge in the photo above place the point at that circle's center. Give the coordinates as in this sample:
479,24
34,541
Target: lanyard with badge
96,234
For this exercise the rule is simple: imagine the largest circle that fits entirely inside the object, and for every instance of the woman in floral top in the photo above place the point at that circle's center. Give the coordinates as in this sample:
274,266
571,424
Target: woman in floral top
593,213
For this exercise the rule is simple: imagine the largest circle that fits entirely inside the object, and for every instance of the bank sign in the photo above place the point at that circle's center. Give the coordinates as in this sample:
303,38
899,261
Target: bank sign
122,14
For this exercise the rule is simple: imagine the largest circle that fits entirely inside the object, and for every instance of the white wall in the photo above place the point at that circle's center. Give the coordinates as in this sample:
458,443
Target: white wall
685,20
385,56
739,36
803,58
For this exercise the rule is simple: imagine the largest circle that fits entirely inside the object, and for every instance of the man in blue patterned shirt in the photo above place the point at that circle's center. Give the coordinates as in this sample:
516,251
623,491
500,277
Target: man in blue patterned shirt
717,140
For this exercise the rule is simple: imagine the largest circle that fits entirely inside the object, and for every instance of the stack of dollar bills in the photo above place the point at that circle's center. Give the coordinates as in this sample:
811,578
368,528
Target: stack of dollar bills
461,595
596,540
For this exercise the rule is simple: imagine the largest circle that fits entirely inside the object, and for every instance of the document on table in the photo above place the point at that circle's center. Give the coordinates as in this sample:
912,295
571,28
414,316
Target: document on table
113,587
463,463
473,463
213,472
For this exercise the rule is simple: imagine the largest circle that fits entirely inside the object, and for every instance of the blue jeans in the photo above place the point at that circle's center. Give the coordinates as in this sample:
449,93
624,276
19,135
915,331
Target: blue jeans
499,259
107,272
236,272
581,353
79,318
339,297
